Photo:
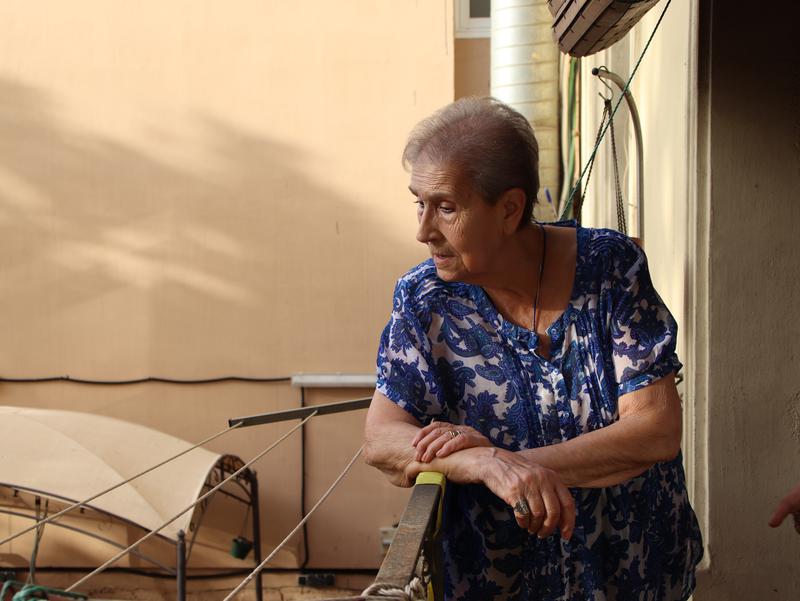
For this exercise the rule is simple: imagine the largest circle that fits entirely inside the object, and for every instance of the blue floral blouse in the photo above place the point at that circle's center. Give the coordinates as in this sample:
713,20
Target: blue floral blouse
447,354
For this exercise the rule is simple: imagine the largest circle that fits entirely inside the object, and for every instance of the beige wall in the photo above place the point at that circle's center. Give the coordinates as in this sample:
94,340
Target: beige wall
197,189
472,68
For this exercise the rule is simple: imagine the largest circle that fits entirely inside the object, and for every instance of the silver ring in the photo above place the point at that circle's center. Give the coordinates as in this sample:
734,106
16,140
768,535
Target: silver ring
453,433
521,507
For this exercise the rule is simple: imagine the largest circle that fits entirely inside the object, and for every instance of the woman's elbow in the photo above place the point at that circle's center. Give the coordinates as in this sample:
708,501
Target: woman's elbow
667,443
371,453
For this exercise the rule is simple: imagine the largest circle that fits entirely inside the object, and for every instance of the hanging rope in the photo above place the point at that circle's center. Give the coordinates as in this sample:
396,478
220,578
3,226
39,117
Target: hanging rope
413,591
621,223
302,522
199,500
58,514
590,160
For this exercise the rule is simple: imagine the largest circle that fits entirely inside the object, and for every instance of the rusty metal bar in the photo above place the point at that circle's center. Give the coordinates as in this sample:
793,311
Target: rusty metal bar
415,527
253,478
180,549
300,412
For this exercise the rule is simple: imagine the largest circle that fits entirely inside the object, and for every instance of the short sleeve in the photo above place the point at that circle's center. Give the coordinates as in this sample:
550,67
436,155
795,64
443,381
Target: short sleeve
404,364
643,331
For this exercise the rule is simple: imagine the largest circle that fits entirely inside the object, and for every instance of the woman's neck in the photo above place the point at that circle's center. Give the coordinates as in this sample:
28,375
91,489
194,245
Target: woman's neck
514,283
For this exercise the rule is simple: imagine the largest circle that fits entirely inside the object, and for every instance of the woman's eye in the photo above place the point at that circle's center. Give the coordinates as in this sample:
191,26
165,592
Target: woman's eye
419,203
446,209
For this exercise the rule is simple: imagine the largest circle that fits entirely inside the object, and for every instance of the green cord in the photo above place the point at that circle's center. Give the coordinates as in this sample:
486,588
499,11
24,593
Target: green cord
568,206
573,73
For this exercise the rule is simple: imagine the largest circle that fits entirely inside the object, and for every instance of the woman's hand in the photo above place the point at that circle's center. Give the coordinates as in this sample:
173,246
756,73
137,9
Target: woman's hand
440,439
513,478
526,485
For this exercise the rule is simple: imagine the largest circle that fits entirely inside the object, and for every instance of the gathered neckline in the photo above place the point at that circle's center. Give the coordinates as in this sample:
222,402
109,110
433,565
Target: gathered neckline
556,329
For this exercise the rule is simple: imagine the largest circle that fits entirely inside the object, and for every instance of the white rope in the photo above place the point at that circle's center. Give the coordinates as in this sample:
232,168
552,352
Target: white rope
260,566
199,500
116,486
413,591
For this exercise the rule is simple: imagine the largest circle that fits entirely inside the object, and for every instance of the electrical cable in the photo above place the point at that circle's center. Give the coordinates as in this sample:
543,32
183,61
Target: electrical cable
108,490
190,506
325,495
590,160
144,380
572,132
200,576
303,483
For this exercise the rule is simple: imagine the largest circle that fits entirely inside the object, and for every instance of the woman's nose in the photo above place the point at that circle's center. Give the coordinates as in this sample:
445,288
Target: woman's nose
426,230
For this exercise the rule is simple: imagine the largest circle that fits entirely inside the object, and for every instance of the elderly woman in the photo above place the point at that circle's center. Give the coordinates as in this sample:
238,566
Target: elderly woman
534,366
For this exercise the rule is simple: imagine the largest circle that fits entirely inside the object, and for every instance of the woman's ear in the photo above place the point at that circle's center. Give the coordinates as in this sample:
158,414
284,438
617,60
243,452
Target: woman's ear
513,205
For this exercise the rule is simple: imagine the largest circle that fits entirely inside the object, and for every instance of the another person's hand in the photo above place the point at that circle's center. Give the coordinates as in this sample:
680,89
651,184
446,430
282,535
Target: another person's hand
788,504
440,439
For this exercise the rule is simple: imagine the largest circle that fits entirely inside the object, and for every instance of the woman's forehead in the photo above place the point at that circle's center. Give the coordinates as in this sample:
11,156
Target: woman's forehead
432,177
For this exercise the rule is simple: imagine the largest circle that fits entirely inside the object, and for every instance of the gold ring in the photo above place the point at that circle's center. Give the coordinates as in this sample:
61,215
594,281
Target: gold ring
453,433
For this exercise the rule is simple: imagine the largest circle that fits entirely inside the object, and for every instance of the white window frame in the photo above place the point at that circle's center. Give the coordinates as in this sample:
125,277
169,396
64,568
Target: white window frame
467,27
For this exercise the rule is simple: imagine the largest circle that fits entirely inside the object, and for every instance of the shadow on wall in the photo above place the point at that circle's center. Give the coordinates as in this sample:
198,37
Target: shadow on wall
114,261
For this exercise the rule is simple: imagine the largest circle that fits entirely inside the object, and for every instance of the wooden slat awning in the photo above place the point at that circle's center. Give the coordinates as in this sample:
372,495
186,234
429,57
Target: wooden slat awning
583,27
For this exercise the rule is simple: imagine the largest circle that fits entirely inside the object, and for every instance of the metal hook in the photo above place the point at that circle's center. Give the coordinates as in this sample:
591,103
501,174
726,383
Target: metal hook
596,71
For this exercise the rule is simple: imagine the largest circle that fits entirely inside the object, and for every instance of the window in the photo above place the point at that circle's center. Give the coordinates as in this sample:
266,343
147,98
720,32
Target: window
473,18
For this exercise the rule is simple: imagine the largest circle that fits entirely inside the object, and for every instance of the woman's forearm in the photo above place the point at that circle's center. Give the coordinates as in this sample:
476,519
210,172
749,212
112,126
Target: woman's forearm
610,455
647,432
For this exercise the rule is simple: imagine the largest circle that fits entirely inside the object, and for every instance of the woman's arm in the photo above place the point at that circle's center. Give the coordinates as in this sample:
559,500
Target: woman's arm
648,431
389,435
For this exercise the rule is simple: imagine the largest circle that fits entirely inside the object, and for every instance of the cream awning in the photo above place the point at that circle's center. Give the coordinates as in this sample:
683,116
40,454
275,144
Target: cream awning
71,455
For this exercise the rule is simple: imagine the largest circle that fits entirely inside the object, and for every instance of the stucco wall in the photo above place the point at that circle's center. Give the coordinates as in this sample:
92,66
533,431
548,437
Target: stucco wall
751,120
721,183
197,189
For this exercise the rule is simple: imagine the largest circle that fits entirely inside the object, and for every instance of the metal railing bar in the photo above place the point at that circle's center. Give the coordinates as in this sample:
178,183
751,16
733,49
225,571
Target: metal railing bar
230,494
108,541
52,496
301,412
190,506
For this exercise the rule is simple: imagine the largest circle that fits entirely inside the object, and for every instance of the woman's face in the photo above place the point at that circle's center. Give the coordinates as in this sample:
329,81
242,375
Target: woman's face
463,232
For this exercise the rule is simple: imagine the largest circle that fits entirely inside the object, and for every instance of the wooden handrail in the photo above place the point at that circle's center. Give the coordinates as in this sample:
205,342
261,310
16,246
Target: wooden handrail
416,526
415,532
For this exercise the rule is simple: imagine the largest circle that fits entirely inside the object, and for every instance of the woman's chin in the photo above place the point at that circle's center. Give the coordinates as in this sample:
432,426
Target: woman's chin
447,275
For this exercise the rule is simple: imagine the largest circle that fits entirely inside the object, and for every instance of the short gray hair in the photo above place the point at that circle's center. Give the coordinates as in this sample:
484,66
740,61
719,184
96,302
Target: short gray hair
492,144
